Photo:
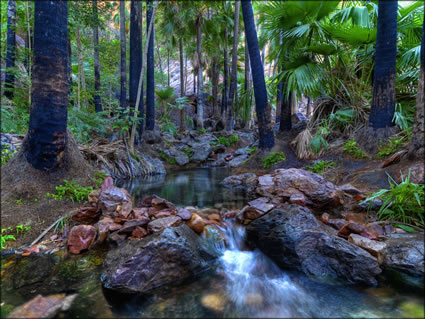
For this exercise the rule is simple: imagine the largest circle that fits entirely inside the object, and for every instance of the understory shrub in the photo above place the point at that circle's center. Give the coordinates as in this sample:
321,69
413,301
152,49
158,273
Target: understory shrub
228,141
395,143
273,158
320,166
71,190
351,148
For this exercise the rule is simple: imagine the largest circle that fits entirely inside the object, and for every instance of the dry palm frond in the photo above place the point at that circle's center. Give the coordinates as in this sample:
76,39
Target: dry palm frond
112,157
301,144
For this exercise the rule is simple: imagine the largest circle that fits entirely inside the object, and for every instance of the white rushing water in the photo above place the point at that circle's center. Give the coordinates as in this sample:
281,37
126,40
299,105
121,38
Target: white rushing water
256,286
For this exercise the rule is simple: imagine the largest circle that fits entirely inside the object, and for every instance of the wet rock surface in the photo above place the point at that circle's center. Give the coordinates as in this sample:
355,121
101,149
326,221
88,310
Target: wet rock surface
137,266
295,239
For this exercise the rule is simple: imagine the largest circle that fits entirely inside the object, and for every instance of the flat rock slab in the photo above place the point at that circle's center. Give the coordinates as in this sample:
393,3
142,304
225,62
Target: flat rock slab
155,260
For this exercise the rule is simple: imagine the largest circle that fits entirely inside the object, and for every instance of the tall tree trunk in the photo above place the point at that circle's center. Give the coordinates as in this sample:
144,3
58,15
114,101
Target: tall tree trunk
200,107
225,77
383,100
194,81
69,71
9,82
215,77
246,80
168,66
123,93
417,142
97,100
182,90
46,139
279,100
150,71
136,58
234,73
262,107
81,66
285,112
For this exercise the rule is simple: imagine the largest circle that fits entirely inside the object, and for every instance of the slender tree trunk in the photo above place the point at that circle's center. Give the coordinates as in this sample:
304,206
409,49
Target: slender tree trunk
9,82
417,142
168,67
225,77
200,107
78,92
150,71
285,113
215,77
234,73
97,100
46,140
123,93
81,66
182,90
135,57
279,100
247,66
266,135
383,100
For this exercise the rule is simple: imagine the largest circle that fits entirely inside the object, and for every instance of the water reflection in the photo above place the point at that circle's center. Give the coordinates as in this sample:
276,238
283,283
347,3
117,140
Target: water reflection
195,187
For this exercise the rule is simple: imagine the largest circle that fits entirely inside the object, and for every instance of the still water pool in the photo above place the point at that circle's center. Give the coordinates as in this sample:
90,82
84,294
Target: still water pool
242,283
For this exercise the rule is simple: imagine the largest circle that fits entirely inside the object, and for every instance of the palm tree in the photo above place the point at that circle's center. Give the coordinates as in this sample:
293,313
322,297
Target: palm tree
261,104
9,82
383,100
136,58
150,72
46,139
123,95
97,100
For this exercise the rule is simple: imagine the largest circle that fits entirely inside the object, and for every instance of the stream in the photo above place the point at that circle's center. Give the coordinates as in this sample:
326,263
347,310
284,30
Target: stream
242,282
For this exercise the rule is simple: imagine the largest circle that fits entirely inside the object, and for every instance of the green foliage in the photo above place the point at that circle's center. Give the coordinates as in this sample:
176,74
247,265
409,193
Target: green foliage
7,234
188,151
19,201
99,177
202,131
6,155
60,224
403,202
4,238
319,139
395,143
320,166
71,190
342,117
169,160
85,125
228,141
170,128
251,150
273,158
351,148
22,228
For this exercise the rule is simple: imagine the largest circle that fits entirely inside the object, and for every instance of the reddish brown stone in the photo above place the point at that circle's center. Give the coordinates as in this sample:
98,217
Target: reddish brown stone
214,217
337,223
375,229
87,215
114,226
80,238
160,224
103,228
146,202
139,232
184,214
129,226
357,217
395,158
107,184
196,223
165,213
161,204
115,202
140,212
33,249
94,197
325,218
261,204
39,307
117,237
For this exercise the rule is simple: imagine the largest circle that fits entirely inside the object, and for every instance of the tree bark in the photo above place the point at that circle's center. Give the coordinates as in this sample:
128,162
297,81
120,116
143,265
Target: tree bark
97,100
182,90
234,73
285,113
135,58
262,107
383,100
200,107
417,142
150,71
225,76
123,94
81,66
9,82
46,139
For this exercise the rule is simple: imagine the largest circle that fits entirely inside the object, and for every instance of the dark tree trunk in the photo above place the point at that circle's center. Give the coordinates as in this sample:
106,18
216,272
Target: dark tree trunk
261,104
234,73
9,82
194,81
97,100
383,101
123,95
279,100
69,71
215,86
285,112
150,72
247,66
182,90
136,58
46,138
225,77
417,142
199,104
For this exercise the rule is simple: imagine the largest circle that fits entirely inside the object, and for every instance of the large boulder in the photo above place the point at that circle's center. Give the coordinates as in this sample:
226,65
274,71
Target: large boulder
201,151
301,187
294,238
180,157
158,259
246,182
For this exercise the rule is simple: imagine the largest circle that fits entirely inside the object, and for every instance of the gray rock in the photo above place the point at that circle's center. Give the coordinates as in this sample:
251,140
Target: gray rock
247,182
201,151
246,138
295,239
241,151
158,259
152,137
238,161
180,157
6,142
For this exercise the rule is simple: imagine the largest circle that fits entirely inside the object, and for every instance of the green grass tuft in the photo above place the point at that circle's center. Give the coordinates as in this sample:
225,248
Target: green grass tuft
351,148
320,166
273,158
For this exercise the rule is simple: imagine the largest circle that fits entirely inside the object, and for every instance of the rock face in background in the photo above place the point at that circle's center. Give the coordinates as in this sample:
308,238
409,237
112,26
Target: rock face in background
295,239
137,266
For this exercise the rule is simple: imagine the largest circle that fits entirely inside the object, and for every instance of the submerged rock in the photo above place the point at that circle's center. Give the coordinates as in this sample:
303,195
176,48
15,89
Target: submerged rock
43,307
294,238
158,259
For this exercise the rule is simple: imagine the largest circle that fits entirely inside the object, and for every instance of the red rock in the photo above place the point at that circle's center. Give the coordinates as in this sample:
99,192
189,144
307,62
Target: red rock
111,198
325,218
39,307
130,225
139,232
214,217
196,223
350,189
213,222
184,214
165,213
161,204
33,249
94,197
375,248
351,227
115,226
357,217
117,237
103,228
107,184
140,212
375,229
261,204
393,159
160,224
337,223
299,199
80,238
87,215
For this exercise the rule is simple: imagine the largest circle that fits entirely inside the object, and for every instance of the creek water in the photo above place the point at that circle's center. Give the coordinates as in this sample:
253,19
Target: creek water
242,282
